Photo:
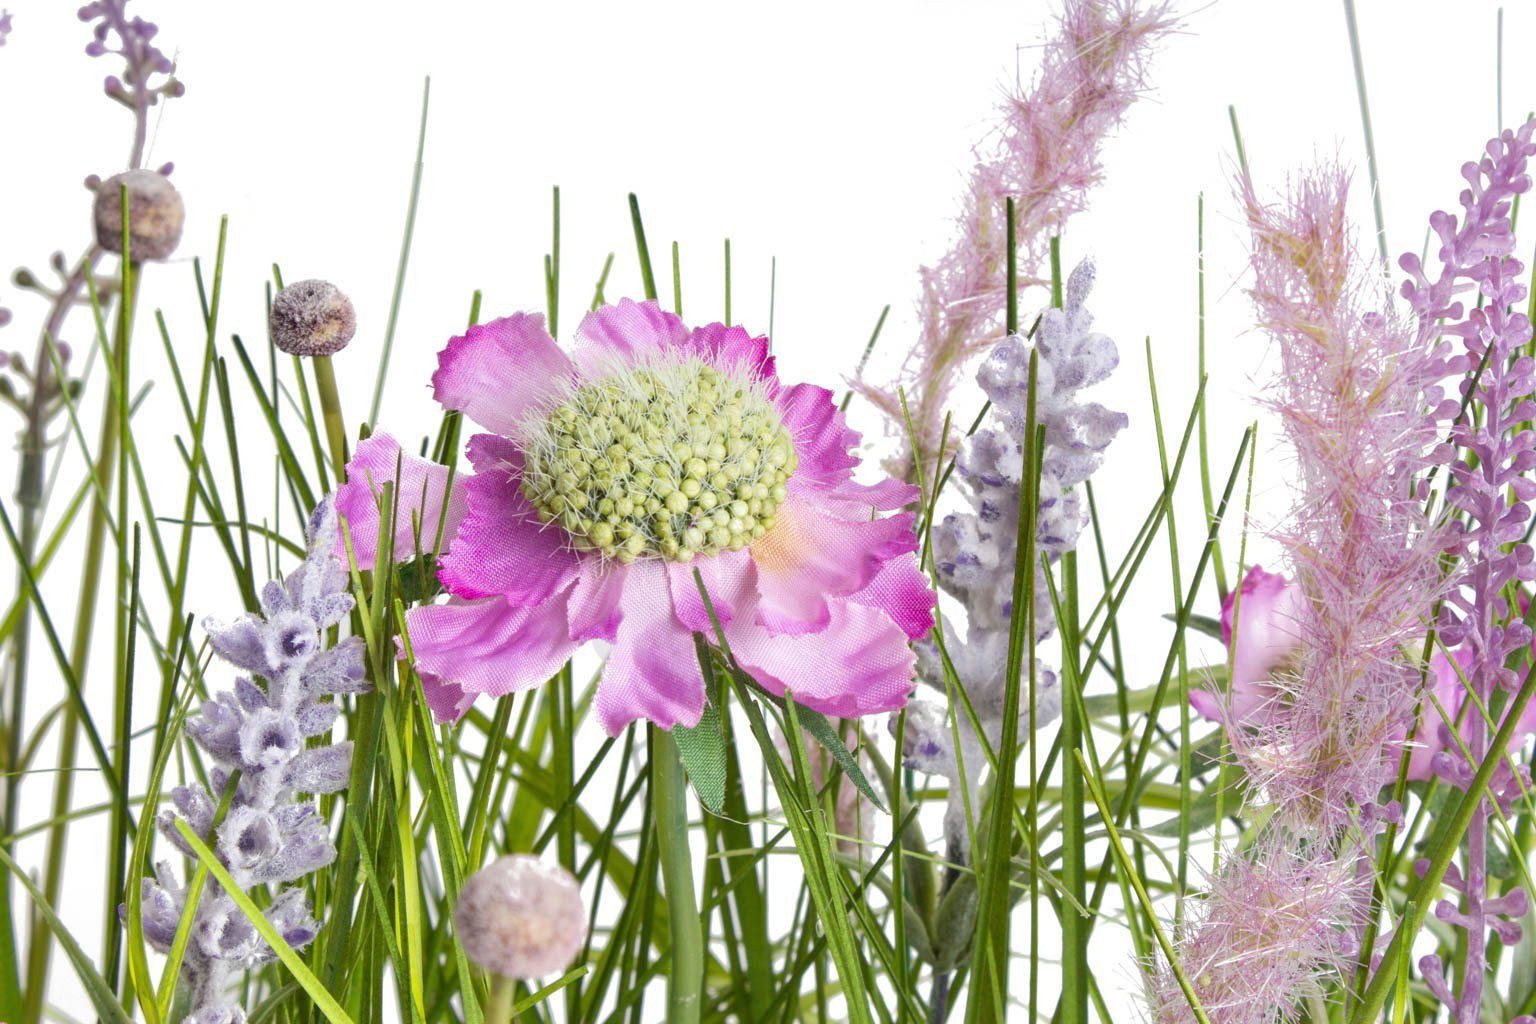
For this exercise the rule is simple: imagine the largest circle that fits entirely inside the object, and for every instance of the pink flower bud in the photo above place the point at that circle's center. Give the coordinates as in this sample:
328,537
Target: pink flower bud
521,917
1268,606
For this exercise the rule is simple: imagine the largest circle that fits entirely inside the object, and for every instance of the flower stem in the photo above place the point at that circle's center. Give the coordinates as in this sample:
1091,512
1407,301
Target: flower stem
498,1008
85,617
669,811
330,410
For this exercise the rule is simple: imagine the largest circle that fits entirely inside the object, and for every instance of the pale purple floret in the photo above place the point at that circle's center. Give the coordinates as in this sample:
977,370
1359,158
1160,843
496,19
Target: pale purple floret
974,549
147,72
1477,262
262,729
5,30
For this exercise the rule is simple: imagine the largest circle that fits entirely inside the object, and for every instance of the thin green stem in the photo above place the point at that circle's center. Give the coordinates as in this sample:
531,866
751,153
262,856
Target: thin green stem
669,795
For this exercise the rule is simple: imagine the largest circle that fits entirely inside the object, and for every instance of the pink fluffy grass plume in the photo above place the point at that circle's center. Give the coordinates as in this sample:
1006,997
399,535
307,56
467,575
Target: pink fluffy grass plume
520,917
606,480
1273,924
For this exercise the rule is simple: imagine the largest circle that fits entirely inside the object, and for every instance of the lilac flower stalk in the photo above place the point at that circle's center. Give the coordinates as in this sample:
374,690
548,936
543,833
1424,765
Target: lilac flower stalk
1491,487
1358,401
1045,156
974,549
5,25
147,75
262,729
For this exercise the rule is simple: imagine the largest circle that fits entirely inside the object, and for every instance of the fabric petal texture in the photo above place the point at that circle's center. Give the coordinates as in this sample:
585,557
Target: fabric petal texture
499,373
422,504
627,332
485,647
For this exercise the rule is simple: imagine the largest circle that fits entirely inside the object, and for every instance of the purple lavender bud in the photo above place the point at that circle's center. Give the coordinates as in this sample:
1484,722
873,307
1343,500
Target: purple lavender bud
223,932
222,1014
521,917
248,839
155,215
216,727
5,25
270,739
320,769
338,670
290,915
312,318
242,643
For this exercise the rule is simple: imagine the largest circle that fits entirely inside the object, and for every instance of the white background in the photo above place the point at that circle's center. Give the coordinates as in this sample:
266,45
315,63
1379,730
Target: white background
834,138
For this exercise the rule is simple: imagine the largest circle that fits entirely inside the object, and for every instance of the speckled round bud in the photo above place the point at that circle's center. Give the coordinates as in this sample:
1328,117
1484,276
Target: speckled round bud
155,215
312,318
521,917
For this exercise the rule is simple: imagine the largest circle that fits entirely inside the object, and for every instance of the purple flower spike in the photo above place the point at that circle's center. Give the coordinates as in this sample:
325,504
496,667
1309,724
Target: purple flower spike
1476,255
268,836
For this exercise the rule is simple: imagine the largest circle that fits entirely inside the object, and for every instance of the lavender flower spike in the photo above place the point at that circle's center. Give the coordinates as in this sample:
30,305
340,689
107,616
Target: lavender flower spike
974,549
1476,255
5,25
268,836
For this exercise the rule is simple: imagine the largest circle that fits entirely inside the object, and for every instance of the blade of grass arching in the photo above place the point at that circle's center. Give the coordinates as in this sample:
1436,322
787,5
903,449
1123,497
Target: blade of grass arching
317,992
198,422
44,559
799,803
405,255
1365,127
290,462
96,987
171,972
642,251
741,868
139,978
477,816
1117,849
1185,763
121,829
1205,461
1133,771
869,348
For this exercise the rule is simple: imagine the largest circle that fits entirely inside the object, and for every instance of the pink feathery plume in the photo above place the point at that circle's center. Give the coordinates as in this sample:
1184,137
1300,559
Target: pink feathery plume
1273,924
1356,392
1045,157
1357,396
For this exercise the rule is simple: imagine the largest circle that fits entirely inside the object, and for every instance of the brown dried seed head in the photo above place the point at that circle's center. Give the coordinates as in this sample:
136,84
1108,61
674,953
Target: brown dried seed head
155,215
312,318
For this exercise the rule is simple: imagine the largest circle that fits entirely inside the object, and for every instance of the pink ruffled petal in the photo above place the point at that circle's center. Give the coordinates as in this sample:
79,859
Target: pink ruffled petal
469,648
901,591
731,579
860,664
822,436
501,372
419,501
809,557
503,548
733,348
653,672
595,608
623,333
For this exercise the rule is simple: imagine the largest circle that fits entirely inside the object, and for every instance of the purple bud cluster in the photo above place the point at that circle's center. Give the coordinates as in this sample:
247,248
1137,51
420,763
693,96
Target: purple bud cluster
148,73
1492,488
270,730
974,550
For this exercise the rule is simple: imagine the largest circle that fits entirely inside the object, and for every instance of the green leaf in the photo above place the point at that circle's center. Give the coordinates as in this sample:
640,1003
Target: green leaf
96,986
824,732
703,751
1199,624
324,1001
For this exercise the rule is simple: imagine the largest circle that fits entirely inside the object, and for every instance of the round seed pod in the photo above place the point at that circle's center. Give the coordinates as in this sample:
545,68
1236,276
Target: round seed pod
155,215
521,917
312,318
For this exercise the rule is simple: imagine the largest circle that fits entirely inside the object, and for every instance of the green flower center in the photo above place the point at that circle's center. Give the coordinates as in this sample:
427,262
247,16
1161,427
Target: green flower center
672,458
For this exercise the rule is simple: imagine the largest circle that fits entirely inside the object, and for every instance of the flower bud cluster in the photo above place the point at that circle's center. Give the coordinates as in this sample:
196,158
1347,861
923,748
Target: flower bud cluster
975,550
271,730
672,458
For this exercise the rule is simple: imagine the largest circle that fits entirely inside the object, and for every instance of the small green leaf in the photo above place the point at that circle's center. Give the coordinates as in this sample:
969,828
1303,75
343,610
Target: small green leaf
703,751
823,731
1200,624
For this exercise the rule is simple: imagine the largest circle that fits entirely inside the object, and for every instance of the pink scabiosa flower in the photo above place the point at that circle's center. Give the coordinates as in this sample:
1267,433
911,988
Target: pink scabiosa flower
1266,606
606,479
1045,156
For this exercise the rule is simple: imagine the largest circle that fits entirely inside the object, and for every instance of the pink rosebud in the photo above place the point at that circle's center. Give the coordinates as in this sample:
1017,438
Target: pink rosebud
522,918
1259,644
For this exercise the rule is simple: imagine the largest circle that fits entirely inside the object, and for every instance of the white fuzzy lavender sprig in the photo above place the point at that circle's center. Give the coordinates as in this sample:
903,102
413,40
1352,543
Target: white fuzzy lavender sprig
268,837
974,549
